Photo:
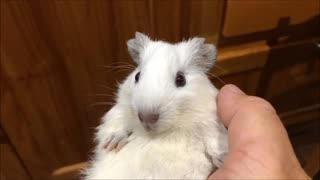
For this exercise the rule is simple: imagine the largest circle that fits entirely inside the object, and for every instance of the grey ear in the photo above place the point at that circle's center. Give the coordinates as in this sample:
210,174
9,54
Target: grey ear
136,46
205,55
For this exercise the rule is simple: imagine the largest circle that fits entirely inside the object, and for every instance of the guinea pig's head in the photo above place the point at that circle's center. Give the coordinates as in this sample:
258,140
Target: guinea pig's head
170,85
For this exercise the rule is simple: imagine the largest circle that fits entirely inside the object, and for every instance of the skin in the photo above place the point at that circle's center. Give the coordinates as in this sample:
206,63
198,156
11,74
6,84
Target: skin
259,147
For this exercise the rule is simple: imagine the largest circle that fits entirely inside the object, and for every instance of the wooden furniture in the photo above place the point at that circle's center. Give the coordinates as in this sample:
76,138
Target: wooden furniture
53,55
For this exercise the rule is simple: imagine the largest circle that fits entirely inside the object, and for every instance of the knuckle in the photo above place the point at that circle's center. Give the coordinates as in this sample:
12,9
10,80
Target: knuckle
258,104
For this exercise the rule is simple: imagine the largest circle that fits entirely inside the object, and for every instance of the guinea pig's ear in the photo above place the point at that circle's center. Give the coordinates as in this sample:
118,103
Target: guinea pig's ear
136,46
205,55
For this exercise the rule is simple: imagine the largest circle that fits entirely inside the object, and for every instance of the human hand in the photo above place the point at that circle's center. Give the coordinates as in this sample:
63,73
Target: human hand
259,146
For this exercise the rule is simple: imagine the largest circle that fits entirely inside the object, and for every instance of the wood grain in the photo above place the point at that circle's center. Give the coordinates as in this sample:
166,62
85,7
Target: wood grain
129,16
48,77
209,24
167,15
10,166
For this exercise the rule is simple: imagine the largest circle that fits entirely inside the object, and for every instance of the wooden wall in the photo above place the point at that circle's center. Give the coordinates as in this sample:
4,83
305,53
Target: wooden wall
56,57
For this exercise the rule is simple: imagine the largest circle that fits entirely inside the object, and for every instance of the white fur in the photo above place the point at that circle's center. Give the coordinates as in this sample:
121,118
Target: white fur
188,141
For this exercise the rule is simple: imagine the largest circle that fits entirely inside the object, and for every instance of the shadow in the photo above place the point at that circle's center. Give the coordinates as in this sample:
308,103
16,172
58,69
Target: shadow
298,93
292,99
282,58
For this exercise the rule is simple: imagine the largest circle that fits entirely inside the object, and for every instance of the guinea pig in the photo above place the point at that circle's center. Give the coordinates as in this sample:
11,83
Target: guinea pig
164,124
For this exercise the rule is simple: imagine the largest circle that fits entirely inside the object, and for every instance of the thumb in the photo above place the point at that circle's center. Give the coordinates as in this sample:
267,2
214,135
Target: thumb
257,138
227,99
247,117
231,100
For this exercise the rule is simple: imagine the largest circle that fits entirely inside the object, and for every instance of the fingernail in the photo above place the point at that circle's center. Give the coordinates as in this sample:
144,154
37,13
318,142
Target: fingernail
235,89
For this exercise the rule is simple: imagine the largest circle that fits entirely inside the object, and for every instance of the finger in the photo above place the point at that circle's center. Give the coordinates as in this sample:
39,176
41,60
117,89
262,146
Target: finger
108,141
121,144
113,144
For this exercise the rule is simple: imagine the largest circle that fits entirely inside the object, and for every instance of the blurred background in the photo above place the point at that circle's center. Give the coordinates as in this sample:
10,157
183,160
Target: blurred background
61,60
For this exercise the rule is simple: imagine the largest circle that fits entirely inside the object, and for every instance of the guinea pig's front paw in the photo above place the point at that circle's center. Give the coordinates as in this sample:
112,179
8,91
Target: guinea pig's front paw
116,141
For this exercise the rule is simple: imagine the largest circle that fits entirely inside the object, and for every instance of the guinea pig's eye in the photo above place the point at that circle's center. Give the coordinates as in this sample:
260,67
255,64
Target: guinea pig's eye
180,79
137,77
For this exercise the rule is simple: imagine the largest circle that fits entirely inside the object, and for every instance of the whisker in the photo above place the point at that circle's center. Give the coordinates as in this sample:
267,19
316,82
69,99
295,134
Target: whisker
123,70
101,103
121,63
105,95
107,87
219,67
213,75
116,67
120,66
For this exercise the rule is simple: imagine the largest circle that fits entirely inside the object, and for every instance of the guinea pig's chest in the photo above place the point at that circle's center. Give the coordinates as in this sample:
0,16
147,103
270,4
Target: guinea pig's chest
147,158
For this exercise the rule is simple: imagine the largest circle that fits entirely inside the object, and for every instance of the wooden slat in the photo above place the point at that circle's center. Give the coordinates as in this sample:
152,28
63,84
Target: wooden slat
254,55
242,58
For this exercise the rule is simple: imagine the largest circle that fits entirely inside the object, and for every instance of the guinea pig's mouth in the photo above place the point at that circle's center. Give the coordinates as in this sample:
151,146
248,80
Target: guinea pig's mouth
150,127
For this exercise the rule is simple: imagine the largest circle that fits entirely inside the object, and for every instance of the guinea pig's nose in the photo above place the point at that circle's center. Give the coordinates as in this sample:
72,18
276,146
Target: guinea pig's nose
148,117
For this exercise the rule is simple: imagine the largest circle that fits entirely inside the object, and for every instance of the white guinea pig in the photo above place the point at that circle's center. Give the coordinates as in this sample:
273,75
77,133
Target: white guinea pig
164,124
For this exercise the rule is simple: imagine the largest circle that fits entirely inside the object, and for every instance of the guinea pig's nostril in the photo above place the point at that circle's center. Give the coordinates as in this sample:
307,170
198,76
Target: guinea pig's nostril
148,117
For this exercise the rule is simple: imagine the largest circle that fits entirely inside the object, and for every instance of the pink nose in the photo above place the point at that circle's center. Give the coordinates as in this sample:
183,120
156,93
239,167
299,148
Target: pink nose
150,118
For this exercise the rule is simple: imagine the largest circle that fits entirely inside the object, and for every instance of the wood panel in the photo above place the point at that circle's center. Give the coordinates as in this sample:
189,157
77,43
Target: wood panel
49,57
166,17
10,166
271,20
3,138
129,16
175,20
239,17
205,18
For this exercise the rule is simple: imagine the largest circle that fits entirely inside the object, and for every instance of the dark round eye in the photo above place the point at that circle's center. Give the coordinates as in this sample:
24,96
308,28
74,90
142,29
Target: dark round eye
180,79
137,77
